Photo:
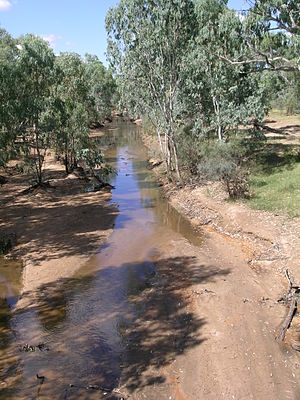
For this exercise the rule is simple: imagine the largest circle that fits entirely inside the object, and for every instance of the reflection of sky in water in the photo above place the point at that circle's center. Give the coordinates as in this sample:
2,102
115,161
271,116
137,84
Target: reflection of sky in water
137,192
127,193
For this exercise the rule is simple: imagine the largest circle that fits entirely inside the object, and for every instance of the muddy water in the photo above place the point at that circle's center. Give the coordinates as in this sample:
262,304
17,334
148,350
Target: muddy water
95,327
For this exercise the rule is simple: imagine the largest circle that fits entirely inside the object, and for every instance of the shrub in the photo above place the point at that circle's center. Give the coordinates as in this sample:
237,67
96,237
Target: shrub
226,162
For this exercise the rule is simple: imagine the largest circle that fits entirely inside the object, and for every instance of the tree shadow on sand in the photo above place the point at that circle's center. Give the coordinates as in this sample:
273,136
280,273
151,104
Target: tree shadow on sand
121,326
166,326
47,227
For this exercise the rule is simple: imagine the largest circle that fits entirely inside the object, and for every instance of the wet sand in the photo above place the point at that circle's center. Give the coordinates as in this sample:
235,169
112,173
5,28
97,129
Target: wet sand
58,229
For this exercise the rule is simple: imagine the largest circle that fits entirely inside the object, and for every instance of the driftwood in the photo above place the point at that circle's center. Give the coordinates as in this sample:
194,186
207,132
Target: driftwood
293,297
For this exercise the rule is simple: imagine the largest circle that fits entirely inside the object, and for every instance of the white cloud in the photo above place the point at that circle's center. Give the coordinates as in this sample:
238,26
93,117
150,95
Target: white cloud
5,5
51,39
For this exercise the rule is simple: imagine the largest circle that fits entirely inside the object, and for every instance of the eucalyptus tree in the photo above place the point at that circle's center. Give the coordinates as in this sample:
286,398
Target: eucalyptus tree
270,43
8,95
147,41
218,96
270,36
71,104
35,63
102,90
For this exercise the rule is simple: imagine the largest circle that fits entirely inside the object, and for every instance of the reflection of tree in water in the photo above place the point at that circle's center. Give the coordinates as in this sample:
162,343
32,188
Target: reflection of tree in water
121,133
165,214
150,197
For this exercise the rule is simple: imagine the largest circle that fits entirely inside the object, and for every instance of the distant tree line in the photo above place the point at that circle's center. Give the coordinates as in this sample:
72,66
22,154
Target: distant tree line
199,72
50,101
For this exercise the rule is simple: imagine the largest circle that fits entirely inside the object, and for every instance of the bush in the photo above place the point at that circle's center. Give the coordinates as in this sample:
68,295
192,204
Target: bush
226,162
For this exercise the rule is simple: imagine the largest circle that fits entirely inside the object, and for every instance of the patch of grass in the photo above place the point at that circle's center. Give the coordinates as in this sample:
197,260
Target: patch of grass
278,191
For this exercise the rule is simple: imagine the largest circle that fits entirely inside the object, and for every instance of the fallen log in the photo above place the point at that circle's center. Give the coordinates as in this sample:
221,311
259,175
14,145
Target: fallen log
289,318
293,295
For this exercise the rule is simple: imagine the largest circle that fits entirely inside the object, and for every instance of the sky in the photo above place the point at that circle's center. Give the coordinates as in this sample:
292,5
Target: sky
68,25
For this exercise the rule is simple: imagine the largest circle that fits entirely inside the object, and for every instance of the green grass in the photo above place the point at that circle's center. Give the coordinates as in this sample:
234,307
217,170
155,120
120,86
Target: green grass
278,191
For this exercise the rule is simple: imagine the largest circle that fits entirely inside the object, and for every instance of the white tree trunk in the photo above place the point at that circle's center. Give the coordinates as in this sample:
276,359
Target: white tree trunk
218,114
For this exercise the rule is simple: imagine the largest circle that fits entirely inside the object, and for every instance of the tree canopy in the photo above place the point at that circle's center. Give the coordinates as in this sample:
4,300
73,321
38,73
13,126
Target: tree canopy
199,67
49,100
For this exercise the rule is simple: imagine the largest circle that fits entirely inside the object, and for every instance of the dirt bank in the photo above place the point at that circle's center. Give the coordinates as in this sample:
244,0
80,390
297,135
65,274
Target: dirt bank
240,356
57,229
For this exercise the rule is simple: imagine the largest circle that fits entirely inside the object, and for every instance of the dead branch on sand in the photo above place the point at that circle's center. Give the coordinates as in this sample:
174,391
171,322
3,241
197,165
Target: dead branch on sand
293,297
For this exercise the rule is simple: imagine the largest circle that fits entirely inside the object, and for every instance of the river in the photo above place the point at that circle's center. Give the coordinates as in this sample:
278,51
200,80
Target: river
119,320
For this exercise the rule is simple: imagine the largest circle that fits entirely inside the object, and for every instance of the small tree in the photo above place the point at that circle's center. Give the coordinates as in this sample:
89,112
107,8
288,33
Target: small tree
71,107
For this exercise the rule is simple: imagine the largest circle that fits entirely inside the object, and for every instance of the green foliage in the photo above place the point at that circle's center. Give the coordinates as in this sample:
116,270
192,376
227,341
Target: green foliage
83,96
48,100
147,42
291,95
93,158
9,119
35,65
190,149
218,96
70,107
102,90
270,38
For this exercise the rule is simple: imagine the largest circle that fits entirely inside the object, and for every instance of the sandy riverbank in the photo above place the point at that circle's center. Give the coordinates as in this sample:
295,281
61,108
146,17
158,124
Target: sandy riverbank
58,229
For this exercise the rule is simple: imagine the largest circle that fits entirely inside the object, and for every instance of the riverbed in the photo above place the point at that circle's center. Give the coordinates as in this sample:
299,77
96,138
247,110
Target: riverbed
162,310
88,323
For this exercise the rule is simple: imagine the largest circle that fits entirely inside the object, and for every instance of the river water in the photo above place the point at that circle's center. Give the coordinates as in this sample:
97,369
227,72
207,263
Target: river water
106,326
